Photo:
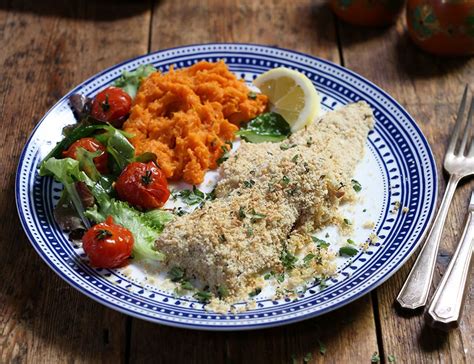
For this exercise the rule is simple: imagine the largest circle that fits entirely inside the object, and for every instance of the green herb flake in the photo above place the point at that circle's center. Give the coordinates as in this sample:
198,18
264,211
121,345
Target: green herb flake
186,285
287,146
392,359
307,358
225,153
285,180
347,251
375,358
222,291
176,274
320,243
194,196
268,275
287,259
364,210
322,347
249,231
309,142
347,222
255,292
308,258
252,95
203,296
255,216
281,278
249,183
356,185
222,238
350,241
241,215
295,158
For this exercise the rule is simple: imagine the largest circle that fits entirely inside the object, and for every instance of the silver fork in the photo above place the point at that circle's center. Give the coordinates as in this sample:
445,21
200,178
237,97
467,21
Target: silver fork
458,163
445,309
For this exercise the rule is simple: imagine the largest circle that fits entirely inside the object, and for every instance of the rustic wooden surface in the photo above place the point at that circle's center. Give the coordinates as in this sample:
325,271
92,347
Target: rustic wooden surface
49,46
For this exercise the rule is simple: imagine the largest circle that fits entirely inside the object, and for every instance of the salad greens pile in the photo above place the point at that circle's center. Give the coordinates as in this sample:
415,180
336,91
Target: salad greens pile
144,226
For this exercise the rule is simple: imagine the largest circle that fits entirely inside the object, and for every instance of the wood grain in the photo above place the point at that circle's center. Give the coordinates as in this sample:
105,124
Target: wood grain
47,48
304,26
430,88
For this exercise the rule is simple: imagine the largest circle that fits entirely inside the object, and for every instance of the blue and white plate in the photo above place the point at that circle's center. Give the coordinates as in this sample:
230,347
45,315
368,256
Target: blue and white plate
398,170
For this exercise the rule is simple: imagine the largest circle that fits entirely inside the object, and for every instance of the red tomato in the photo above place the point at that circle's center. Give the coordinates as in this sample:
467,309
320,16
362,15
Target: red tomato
367,12
91,145
107,244
112,105
143,185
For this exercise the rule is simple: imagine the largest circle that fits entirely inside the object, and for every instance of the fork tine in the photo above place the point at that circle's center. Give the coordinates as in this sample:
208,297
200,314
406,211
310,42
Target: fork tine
467,130
469,123
455,136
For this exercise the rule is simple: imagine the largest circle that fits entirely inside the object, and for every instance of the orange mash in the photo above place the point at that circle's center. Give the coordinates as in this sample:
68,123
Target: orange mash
186,117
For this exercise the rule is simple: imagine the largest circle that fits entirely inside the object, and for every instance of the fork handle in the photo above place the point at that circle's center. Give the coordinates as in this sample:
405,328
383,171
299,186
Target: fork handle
446,307
414,292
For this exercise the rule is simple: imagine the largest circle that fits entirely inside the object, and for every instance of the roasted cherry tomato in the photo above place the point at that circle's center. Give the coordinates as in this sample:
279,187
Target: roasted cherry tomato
107,244
91,145
112,105
143,185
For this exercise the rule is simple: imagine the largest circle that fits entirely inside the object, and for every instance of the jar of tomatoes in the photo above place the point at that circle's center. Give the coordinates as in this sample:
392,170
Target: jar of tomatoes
367,12
444,27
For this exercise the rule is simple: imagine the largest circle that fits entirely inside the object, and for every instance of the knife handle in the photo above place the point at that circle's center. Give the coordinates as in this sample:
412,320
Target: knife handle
445,309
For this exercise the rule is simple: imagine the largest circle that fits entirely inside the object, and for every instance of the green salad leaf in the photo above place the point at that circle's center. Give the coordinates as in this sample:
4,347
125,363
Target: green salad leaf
267,127
130,81
144,226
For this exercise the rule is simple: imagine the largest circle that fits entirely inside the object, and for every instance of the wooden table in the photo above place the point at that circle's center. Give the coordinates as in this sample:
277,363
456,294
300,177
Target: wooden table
47,47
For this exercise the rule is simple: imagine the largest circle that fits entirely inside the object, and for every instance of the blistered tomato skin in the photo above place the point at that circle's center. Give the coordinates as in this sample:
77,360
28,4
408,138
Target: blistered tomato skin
108,245
111,105
143,185
91,145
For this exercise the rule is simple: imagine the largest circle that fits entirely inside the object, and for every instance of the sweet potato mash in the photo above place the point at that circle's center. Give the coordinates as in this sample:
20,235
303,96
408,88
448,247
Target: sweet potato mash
186,117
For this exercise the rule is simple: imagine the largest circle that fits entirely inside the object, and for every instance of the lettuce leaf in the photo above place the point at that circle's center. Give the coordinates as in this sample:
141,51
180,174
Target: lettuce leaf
145,226
130,81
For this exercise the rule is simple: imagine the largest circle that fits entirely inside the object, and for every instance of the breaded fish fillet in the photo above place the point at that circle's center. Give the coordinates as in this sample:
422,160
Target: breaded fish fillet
267,191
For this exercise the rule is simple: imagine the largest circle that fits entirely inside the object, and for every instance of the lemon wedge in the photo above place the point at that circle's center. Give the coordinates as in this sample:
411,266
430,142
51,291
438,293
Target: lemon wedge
291,94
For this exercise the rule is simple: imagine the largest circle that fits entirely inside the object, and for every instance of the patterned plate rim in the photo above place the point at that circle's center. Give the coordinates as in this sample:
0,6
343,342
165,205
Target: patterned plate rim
337,305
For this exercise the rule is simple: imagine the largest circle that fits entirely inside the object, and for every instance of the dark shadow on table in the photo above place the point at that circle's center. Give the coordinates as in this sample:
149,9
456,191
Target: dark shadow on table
420,64
99,10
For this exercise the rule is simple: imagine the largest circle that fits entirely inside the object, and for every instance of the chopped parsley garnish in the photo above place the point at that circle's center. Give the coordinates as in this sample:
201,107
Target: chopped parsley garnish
295,158
194,196
287,259
241,213
268,275
203,296
179,211
222,291
391,358
320,243
347,251
280,278
364,210
347,222
375,358
249,231
176,274
249,183
252,95
307,358
309,142
356,185
255,216
350,241
308,258
225,152
255,292
287,146
306,167
186,285
322,347
285,180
